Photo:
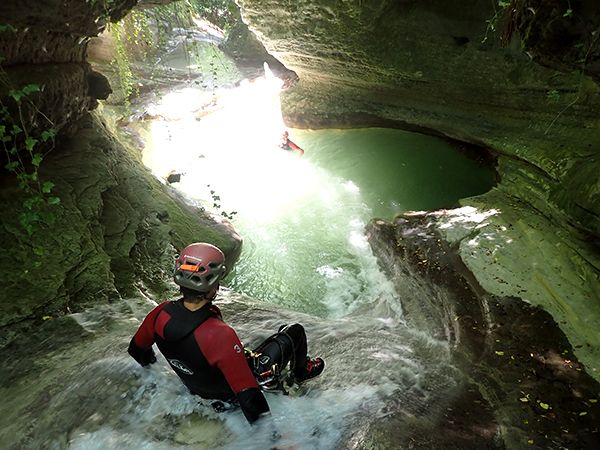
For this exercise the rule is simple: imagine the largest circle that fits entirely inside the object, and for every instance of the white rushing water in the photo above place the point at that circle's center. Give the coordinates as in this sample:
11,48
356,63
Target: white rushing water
96,397
304,250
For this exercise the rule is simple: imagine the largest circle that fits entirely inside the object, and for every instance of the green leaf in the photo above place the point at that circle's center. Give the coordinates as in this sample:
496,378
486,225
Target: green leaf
16,95
30,143
544,405
53,200
16,129
47,187
39,251
583,413
7,27
12,166
48,134
31,202
568,13
30,89
37,159
27,219
28,228
553,95
50,218
2,130
524,399
499,353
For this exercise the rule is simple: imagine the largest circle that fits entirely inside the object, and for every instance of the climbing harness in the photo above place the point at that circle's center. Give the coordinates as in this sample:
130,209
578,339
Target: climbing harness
273,376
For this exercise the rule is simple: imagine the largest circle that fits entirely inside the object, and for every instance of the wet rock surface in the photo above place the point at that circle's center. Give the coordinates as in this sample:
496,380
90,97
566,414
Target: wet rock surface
116,227
524,387
45,44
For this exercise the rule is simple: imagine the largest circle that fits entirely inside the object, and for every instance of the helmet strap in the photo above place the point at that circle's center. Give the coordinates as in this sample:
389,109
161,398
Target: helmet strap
210,295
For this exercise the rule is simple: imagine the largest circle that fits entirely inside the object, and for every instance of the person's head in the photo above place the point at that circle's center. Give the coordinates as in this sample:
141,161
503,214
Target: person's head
198,270
286,134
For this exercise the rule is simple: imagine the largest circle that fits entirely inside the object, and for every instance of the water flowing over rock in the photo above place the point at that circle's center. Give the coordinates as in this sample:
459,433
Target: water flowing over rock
440,67
511,281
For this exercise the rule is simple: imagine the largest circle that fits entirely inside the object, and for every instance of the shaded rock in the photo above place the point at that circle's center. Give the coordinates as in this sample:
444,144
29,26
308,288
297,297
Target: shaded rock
116,228
98,86
248,52
523,383
529,93
45,44
399,63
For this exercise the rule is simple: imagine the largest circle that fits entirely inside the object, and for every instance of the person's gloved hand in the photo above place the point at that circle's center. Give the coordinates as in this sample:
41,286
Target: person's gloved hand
143,357
148,358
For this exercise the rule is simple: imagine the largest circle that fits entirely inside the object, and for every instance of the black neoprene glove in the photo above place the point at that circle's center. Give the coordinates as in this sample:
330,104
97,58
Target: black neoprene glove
142,356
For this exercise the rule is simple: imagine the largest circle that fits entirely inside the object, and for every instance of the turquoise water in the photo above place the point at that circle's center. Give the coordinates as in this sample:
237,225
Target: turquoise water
302,218
311,255
398,170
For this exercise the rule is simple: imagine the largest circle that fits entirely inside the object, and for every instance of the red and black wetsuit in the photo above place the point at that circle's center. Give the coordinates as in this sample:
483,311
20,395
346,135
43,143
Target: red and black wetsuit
289,145
204,351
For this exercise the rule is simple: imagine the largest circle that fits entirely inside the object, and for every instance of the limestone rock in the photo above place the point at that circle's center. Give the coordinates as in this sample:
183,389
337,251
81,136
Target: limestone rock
98,86
438,66
115,228
520,372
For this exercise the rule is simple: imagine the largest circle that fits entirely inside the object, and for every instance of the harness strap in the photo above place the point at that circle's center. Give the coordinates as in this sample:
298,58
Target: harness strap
185,321
273,374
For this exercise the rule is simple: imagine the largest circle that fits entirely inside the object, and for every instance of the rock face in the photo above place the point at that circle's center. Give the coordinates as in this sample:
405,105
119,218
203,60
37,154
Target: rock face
116,228
425,64
438,65
522,384
45,44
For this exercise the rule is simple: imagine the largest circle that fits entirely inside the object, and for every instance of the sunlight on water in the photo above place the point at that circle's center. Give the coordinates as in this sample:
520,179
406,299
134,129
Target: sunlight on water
304,245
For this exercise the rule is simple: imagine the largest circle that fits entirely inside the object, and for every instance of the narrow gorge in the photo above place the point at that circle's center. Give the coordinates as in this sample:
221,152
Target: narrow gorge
476,322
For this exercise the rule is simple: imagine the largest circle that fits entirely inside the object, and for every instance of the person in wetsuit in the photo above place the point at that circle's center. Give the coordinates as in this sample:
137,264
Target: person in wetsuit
205,352
289,145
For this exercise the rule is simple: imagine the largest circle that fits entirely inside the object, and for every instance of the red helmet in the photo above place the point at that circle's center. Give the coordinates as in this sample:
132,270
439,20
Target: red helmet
200,267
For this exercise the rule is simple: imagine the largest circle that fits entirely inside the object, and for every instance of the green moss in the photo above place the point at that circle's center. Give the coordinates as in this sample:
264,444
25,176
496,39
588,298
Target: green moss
117,228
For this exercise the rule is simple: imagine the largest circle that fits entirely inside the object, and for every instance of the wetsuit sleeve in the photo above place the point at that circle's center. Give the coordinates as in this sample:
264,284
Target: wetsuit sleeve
293,146
223,349
140,346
